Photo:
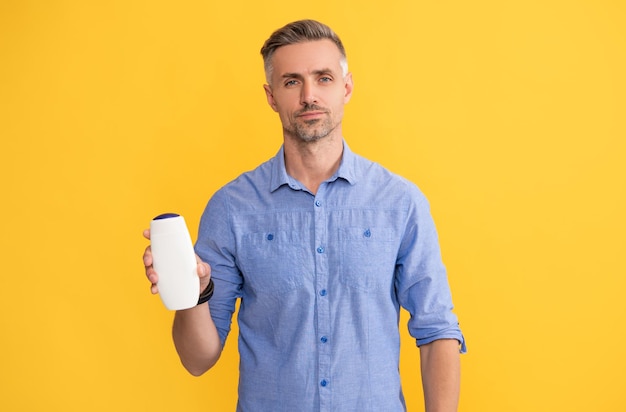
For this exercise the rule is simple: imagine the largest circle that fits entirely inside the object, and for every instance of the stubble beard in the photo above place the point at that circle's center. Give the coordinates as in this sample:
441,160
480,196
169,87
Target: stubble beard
312,130
308,131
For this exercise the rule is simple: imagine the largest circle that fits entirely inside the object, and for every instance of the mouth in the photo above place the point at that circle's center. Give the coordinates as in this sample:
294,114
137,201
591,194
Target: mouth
311,114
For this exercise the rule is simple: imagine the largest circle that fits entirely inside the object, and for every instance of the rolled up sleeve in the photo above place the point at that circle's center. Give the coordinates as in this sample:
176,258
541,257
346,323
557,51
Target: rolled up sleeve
422,282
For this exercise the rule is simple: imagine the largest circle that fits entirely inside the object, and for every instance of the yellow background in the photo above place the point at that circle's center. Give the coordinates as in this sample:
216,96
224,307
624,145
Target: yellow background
510,115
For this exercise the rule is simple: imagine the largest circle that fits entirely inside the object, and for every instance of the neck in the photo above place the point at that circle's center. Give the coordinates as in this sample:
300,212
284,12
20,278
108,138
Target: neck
311,163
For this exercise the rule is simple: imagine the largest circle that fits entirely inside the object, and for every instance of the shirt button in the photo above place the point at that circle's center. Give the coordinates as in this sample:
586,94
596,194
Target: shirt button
324,382
323,292
320,249
323,339
318,203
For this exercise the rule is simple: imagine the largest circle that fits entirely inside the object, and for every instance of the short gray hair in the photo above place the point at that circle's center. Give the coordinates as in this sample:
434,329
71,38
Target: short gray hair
298,32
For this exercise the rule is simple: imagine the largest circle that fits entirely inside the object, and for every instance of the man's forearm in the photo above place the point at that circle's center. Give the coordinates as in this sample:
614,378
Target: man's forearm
441,375
196,339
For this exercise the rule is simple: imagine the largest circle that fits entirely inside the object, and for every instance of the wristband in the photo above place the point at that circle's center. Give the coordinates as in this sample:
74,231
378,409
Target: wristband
206,294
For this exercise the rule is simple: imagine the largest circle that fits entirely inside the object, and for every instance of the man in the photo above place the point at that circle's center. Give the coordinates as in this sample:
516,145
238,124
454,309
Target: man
323,247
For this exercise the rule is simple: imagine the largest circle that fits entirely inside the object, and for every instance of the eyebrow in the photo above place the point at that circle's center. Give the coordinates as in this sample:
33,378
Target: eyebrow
300,76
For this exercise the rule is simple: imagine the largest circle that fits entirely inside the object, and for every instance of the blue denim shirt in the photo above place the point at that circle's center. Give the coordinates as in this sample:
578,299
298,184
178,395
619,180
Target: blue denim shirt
321,280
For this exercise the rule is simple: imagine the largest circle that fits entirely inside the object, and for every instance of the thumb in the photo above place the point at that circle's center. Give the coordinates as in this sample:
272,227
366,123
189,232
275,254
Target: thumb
204,271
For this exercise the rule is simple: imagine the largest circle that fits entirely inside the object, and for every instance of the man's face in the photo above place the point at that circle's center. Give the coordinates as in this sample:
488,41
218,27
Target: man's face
308,89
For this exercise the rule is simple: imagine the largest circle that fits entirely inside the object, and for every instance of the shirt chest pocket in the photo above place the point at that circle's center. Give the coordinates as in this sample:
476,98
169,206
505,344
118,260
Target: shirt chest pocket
275,261
368,257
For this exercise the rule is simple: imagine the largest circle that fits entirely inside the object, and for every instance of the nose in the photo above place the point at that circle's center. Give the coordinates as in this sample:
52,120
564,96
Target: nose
307,94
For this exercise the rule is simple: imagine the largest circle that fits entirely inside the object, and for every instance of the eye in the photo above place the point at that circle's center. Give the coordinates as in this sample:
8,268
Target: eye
290,83
326,79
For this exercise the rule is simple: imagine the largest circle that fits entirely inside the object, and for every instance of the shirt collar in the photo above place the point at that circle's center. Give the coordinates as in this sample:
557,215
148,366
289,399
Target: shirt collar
347,169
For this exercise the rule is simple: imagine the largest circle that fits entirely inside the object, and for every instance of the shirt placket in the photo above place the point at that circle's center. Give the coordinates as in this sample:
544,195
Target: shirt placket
324,340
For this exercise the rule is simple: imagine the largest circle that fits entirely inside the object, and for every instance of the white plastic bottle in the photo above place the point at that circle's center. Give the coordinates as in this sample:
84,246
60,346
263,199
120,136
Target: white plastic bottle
174,260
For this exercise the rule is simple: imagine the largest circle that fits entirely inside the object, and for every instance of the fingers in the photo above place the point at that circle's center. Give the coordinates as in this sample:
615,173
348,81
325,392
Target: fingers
147,262
153,278
154,289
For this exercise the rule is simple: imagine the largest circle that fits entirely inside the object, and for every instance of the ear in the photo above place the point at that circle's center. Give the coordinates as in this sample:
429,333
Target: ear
349,86
270,97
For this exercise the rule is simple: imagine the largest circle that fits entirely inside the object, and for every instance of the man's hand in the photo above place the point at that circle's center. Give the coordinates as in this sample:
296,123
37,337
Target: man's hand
203,270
